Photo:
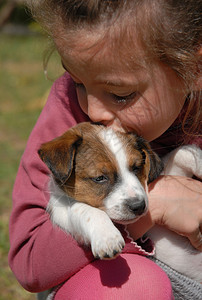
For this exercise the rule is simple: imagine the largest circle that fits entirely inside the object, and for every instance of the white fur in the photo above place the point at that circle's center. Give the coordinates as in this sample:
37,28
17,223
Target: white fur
129,187
172,249
185,161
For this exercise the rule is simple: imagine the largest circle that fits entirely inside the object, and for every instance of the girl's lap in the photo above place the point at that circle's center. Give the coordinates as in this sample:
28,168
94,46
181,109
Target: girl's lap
129,276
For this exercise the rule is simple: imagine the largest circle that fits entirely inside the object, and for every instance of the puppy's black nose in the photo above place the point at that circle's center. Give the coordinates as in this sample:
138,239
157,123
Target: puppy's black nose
136,205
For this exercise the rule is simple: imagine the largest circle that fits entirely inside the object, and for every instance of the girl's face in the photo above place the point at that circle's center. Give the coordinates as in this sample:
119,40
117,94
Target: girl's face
121,90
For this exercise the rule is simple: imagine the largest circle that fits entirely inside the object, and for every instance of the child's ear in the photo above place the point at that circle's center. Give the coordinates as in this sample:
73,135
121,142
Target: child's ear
59,154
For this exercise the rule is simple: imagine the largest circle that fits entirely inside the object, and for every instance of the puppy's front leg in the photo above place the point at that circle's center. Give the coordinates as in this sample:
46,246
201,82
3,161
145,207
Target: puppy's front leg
96,228
88,224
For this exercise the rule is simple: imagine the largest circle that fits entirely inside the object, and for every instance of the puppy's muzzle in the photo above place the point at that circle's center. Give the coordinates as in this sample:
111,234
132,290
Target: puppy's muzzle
136,205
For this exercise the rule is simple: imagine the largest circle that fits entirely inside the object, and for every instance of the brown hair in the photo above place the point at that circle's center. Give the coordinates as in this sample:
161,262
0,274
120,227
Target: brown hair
169,30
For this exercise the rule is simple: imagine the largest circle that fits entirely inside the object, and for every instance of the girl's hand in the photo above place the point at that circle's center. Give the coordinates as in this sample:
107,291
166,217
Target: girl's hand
174,202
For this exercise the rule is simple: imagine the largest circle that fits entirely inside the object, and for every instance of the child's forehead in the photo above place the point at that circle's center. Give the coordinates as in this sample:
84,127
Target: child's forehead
86,47
121,35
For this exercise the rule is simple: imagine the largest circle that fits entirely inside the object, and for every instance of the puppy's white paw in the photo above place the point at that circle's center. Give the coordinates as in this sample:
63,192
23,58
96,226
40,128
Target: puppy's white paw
108,244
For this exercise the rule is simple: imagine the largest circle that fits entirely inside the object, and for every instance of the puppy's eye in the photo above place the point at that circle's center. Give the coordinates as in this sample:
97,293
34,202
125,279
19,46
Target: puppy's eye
135,169
100,179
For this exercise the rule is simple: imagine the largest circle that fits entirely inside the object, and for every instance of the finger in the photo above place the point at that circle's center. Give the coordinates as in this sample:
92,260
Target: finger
196,240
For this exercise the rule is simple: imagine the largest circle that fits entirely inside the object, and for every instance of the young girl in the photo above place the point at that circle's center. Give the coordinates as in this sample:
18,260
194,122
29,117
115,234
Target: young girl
135,66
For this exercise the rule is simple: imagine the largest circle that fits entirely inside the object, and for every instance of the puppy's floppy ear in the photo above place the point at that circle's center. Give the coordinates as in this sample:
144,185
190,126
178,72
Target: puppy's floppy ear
59,154
156,164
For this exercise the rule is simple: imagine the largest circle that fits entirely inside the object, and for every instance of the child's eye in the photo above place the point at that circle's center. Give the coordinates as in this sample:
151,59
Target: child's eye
123,99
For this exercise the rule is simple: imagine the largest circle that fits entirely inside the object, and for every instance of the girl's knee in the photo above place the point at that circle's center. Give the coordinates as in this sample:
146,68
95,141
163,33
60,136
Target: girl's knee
129,276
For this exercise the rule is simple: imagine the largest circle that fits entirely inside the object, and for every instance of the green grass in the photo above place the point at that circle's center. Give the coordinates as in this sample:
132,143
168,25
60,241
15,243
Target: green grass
24,90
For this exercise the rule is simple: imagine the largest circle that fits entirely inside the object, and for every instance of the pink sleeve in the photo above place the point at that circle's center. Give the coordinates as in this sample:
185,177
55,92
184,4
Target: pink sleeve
42,256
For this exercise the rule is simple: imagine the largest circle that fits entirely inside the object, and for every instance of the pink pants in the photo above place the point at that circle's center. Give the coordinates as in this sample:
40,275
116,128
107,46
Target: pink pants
129,276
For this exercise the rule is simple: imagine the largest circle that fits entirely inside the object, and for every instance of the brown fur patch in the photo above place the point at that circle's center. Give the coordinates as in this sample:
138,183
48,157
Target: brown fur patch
78,157
91,161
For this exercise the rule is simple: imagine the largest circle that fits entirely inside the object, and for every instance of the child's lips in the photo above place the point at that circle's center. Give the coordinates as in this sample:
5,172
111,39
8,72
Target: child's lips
117,126
121,127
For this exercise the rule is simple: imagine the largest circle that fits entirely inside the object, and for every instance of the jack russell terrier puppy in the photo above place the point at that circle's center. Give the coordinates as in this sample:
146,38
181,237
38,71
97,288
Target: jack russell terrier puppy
100,176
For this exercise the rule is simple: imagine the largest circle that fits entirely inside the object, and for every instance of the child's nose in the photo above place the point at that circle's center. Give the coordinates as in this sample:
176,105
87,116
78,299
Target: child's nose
98,111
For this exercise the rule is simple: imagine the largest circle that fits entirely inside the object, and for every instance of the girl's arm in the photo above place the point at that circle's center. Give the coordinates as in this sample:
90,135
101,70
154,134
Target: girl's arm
42,256
174,202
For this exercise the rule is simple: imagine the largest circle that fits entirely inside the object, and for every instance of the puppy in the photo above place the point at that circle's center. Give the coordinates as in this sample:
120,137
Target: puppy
99,177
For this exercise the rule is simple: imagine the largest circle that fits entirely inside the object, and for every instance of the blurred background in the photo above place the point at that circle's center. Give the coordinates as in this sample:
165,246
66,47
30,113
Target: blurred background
23,92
